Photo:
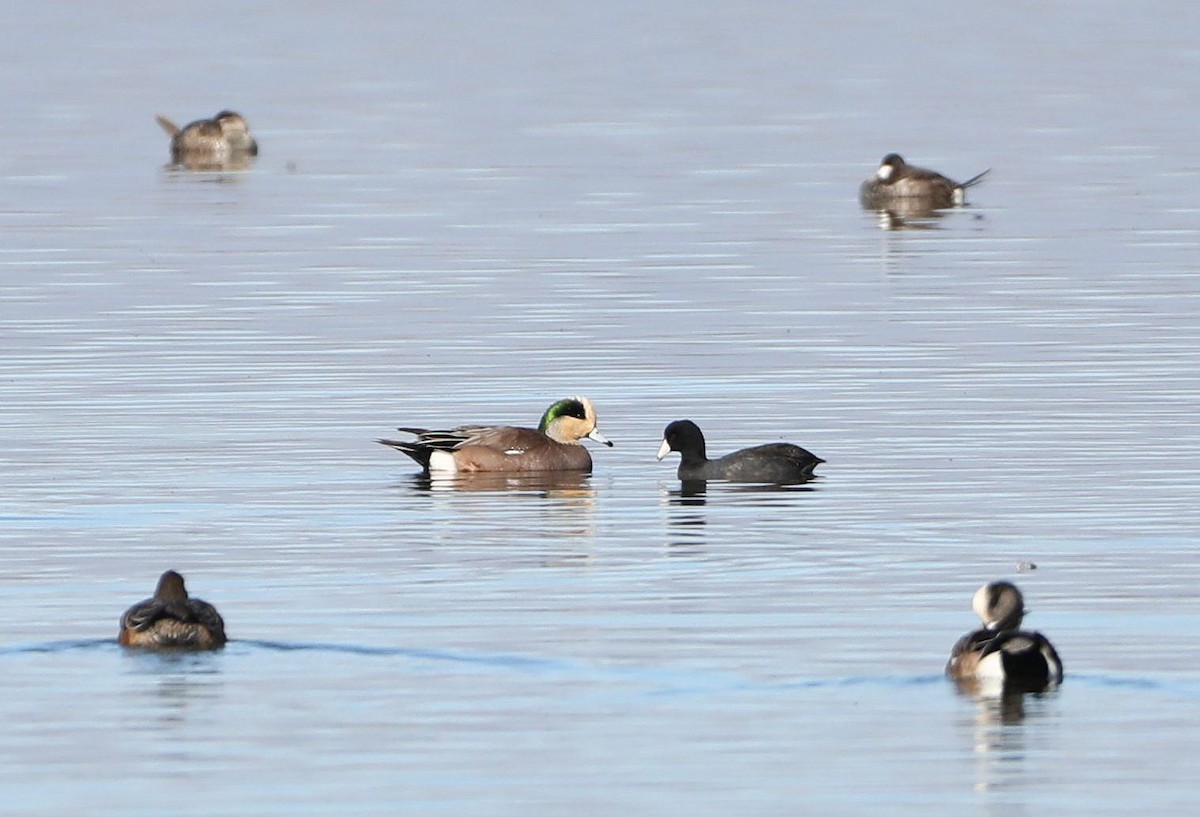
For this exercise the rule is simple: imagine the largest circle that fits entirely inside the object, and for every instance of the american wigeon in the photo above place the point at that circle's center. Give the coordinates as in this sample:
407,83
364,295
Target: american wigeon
773,462
898,183
554,446
172,619
1001,652
223,142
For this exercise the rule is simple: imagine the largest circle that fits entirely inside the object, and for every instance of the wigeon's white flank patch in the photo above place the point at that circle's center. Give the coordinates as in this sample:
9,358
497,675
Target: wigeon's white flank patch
514,452
442,462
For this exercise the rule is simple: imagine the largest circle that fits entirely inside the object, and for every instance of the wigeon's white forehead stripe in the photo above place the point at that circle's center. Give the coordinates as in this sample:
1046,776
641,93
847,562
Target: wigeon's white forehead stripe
885,172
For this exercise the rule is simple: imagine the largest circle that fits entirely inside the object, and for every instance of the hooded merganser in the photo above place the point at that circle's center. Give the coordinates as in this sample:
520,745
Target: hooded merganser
1001,651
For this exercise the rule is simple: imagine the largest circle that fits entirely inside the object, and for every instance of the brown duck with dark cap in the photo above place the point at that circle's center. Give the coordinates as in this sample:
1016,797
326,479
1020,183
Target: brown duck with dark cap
172,619
221,143
896,182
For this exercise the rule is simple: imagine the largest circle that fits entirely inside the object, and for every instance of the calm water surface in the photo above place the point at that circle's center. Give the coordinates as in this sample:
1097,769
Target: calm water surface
462,213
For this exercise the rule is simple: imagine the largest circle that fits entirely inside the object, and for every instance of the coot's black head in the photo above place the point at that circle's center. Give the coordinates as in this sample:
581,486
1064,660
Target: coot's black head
685,437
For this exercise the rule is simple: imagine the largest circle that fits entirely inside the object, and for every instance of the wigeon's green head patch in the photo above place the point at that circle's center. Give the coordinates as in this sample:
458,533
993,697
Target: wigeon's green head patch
569,407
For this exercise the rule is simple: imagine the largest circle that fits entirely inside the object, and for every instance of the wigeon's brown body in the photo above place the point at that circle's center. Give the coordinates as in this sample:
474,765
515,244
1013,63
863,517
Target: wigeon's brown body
1001,652
554,446
897,183
172,619
223,142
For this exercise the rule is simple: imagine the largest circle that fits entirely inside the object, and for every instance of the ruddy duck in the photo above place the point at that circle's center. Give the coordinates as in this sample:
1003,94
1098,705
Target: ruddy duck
223,142
1001,651
554,446
172,619
774,462
898,183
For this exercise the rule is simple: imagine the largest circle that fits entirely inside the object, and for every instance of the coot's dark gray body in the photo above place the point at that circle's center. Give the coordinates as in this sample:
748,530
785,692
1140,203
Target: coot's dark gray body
773,462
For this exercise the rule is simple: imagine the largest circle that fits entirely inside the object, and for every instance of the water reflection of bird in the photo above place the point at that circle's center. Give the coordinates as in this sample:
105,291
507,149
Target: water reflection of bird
554,446
172,619
773,462
1001,652
897,184
567,485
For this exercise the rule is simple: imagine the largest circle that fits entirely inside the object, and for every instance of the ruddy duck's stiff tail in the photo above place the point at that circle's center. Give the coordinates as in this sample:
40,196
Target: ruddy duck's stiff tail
960,190
974,180
166,124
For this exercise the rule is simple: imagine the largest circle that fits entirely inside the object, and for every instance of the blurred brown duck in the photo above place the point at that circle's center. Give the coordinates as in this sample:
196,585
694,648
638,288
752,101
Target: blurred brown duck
898,183
172,619
555,445
223,142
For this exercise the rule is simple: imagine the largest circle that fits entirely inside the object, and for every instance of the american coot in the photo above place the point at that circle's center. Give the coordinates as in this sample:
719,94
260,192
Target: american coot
897,182
773,462
554,446
1001,652
172,619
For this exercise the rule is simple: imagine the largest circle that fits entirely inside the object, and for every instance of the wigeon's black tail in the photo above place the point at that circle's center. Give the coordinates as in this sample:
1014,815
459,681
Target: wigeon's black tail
420,453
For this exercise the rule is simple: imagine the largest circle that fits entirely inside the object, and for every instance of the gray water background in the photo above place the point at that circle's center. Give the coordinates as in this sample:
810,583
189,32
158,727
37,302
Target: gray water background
464,211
